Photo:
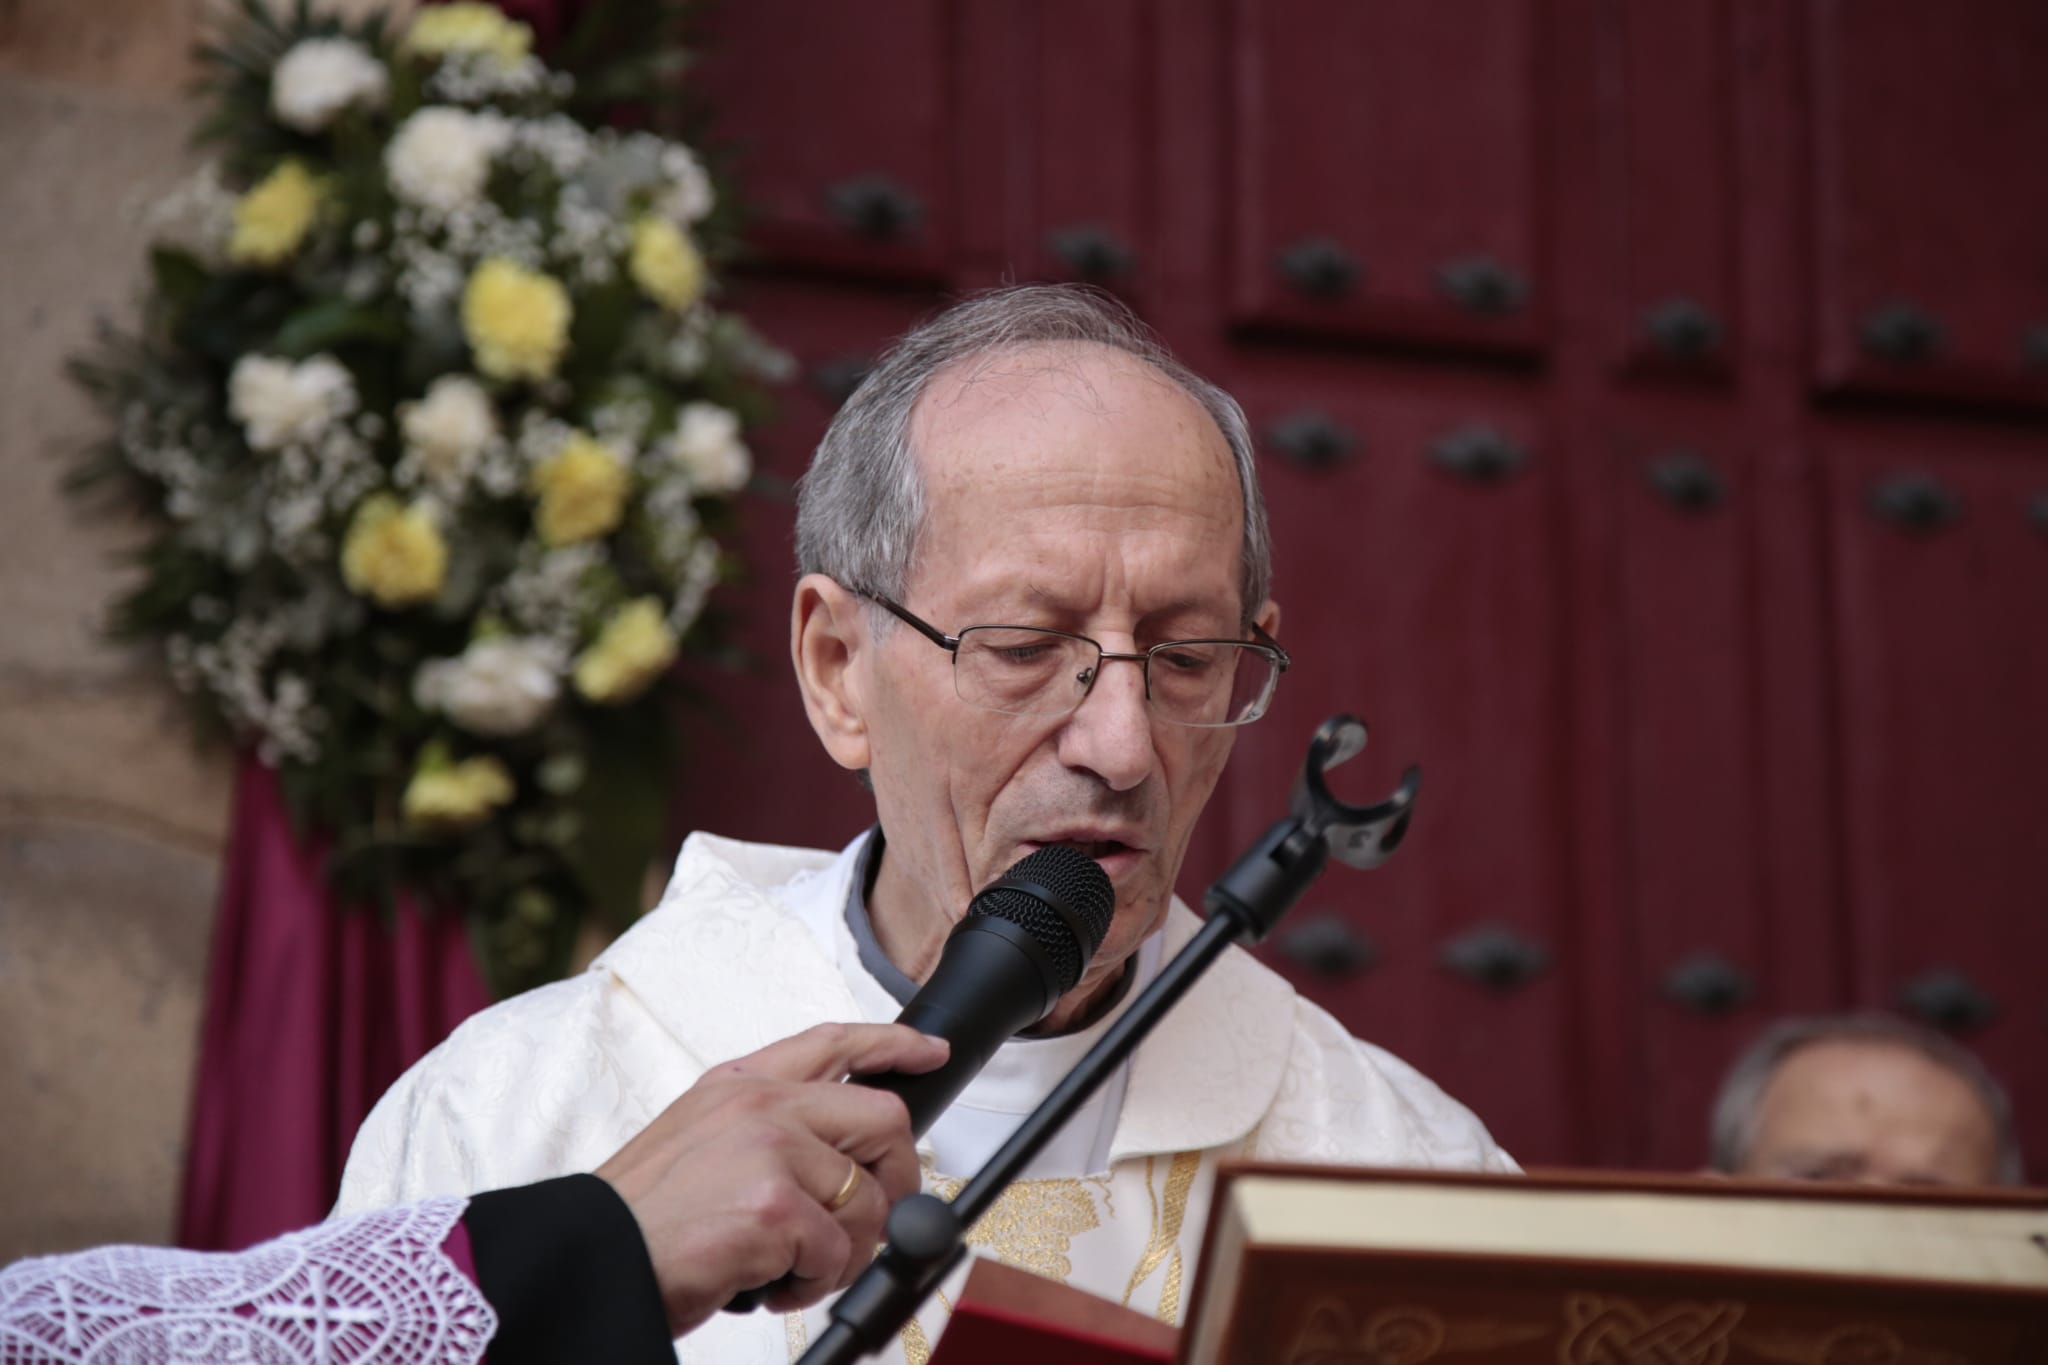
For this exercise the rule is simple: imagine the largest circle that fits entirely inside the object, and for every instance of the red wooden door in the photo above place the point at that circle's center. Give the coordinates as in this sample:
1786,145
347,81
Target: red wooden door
1416,576
1384,170
1940,563
1568,329
859,132
1930,210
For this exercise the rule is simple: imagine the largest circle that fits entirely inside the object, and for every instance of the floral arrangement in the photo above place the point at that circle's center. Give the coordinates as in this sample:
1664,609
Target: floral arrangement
435,426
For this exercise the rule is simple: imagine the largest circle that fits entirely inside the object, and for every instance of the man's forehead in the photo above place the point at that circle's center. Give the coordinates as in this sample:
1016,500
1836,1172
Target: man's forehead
1071,464
1866,1073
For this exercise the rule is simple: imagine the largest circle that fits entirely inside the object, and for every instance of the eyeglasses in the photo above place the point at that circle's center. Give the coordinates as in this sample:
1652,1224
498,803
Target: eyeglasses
1032,671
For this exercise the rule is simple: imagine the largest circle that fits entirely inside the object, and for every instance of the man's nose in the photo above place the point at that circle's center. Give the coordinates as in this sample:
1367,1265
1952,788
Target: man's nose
1110,733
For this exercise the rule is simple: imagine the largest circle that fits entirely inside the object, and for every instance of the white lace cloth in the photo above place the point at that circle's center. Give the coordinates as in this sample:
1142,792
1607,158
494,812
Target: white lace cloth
375,1287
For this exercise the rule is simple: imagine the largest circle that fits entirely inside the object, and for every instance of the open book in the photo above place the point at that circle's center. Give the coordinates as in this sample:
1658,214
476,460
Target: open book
1319,1266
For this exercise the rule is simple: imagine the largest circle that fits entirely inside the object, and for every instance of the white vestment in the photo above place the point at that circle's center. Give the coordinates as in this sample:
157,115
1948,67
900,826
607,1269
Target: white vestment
749,945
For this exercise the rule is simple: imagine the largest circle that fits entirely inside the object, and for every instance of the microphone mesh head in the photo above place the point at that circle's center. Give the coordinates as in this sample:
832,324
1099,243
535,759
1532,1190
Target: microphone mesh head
1079,886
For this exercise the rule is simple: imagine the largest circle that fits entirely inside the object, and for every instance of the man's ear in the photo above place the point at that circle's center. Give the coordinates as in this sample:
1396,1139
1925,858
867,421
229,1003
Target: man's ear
827,632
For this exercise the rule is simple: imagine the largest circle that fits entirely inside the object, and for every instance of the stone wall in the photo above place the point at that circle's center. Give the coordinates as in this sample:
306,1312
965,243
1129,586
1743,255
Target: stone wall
111,821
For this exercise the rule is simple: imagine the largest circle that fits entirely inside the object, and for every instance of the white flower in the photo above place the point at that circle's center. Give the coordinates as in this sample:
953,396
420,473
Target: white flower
476,77
448,429
441,158
502,686
320,77
563,143
706,443
280,404
197,217
689,196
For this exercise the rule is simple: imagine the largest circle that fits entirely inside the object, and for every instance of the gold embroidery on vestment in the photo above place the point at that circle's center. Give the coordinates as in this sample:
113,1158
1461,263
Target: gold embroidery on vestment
1107,1185
1180,1183
1150,1256
1164,1243
916,1350
799,1336
1033,1223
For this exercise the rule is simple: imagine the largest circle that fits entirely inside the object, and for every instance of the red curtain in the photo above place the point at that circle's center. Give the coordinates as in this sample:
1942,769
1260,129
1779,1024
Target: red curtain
312,1010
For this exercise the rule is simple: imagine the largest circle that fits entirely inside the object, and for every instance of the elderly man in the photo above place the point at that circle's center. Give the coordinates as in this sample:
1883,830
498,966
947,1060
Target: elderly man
1034,604
1867,1098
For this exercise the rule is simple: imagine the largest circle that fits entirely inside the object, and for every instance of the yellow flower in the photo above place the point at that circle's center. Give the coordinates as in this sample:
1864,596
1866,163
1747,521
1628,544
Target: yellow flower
631,651
665,263
517,320
273,219
443,29
393,553
582,492
451,796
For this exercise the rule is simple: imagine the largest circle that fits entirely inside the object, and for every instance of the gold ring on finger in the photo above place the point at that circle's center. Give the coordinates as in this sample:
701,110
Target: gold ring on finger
845,1195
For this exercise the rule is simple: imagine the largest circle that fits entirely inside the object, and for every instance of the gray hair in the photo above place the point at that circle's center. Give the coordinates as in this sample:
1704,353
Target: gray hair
861,504
1738,1109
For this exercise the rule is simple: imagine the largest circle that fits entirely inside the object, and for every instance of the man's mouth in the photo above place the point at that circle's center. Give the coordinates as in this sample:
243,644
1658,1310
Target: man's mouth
1113,852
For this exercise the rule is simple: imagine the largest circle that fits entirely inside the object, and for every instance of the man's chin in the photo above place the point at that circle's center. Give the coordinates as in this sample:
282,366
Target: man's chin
1136,920
1082,1005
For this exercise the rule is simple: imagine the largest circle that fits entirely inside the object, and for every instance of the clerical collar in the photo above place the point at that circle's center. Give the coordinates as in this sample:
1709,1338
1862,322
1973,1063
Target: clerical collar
887,974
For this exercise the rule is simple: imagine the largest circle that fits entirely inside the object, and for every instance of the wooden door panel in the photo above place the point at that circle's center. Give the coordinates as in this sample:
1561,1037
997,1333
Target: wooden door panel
752,767
1667,114
1093,143
1385,171
1426,603
1943,686
847,127
1703,940
1931,212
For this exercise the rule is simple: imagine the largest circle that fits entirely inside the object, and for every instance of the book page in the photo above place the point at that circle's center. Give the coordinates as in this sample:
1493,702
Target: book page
1940,1244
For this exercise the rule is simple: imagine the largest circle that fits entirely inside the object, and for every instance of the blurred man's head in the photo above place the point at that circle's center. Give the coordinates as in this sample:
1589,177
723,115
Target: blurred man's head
1032,458
1864,1098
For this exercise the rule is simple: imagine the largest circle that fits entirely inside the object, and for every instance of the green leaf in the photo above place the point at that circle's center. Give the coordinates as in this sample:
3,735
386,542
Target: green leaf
602,316
331,323
180,278
623,804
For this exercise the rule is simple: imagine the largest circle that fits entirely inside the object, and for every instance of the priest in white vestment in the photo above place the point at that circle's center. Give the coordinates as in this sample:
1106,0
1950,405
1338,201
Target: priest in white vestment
1034,607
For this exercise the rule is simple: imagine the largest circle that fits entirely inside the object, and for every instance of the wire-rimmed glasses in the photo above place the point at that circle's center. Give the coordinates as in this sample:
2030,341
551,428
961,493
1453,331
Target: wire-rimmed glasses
1037,671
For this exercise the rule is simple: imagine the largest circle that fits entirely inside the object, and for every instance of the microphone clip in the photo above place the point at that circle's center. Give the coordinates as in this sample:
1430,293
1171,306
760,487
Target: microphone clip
1358,836
1288,857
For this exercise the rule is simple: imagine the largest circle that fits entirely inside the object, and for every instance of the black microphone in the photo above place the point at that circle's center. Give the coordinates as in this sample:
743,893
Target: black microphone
1024,942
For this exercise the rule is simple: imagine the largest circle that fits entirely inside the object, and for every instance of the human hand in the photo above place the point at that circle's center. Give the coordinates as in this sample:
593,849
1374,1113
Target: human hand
768,1167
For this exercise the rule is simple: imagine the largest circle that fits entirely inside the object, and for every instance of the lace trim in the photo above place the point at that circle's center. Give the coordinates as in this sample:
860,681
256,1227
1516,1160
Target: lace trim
372,1288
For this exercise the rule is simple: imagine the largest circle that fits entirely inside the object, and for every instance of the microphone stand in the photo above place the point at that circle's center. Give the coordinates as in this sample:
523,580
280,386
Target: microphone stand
927,1235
